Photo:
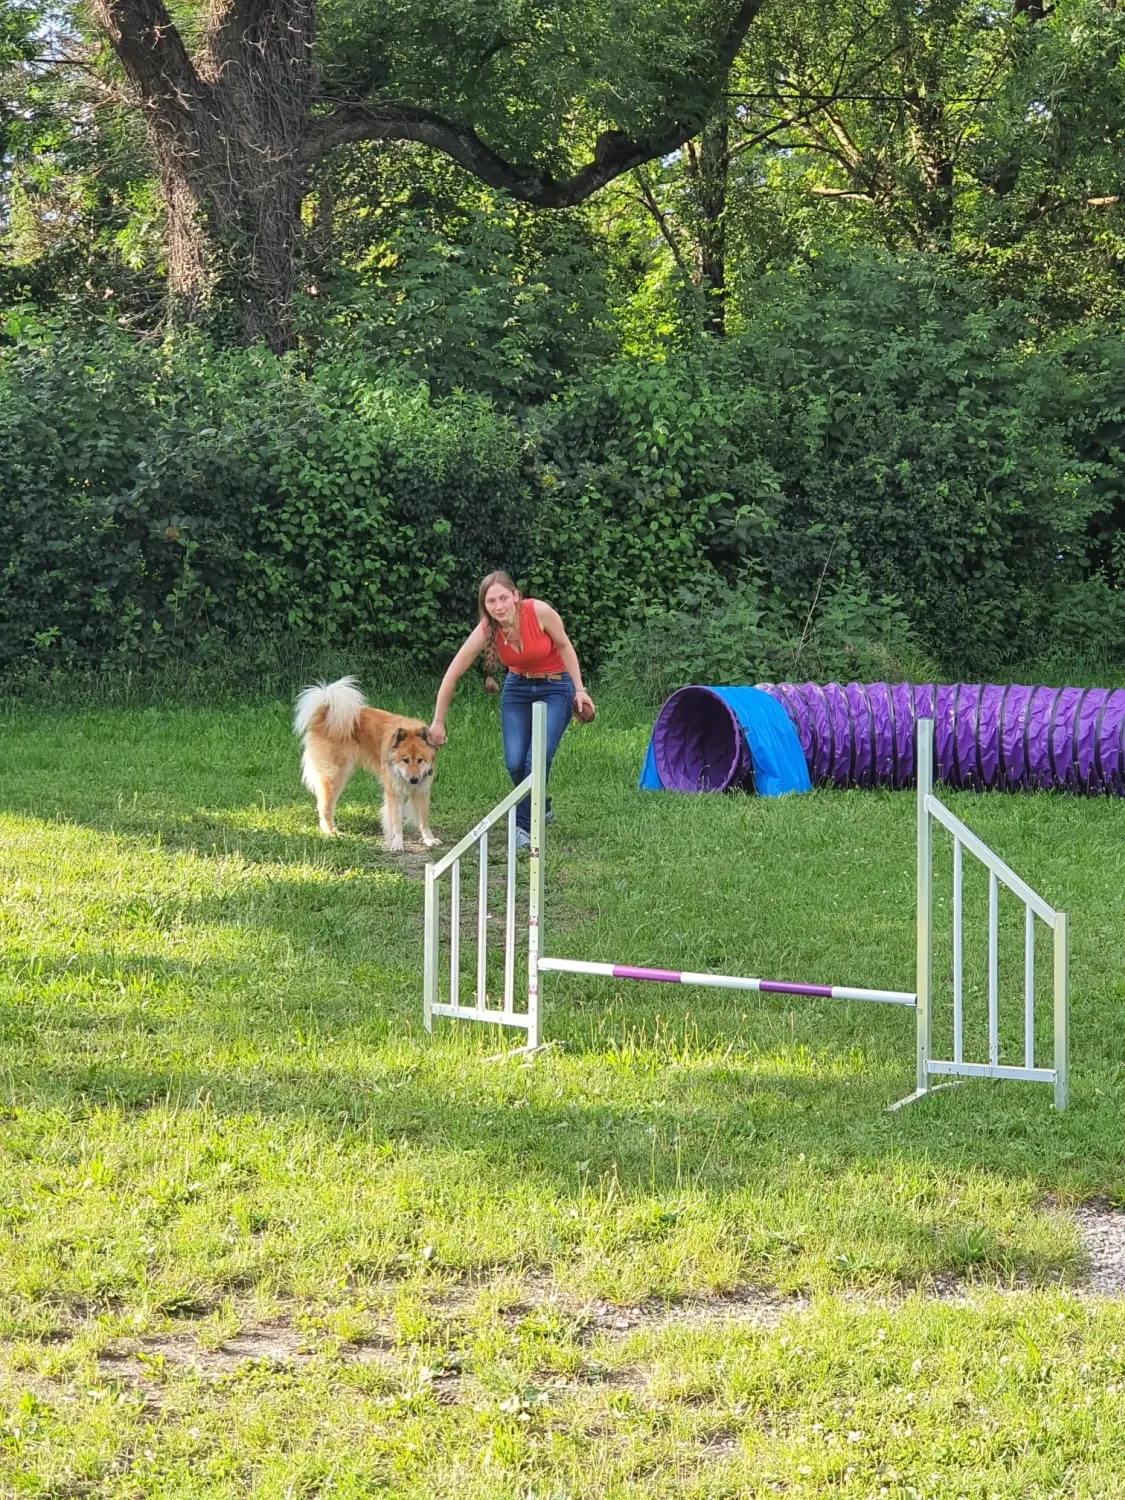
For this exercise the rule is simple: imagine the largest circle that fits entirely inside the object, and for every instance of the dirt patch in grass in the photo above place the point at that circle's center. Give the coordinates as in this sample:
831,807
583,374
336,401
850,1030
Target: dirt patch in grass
271,1344
539,1291
745,1305
285,1342
282,1343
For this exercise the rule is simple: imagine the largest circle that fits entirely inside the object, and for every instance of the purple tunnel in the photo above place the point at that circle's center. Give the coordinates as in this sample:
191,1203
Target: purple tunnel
699,743
1010,738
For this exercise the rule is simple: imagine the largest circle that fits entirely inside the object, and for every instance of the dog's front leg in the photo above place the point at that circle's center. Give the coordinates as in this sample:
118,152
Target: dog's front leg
392,816
422,808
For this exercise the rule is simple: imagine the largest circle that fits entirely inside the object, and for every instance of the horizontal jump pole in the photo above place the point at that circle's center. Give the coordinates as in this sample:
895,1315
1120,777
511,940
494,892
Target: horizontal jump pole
990,1070
726,982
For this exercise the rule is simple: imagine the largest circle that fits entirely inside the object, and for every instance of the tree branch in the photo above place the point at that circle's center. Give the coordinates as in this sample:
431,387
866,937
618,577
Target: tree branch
501,44
155,60
615,152
815,104
850,152
1053,204
846,193
91,74
648,198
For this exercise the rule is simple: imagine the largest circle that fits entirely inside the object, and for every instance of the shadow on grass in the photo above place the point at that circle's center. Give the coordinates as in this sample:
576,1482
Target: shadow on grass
738,1106
222,782
773,1166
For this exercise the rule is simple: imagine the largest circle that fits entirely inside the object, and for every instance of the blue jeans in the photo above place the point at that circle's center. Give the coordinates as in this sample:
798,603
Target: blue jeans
515,719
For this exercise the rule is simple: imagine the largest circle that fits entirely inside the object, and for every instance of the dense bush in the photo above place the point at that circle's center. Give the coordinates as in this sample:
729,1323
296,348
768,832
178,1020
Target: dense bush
921,431
486,297
152,500
880,463
871,425
632,468
750,633
1096,430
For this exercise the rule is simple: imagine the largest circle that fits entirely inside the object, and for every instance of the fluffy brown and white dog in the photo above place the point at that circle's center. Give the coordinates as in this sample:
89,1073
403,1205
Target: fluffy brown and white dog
340,733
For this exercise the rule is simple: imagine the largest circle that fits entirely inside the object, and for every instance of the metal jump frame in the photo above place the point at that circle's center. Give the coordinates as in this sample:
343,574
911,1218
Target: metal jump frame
929,1068
507,1014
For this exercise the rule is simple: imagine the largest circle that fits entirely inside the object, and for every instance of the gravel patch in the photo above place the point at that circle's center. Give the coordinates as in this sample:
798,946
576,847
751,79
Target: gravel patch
1103,1229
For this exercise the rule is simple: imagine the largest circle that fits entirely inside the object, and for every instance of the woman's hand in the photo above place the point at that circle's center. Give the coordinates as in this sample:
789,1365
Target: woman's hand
583,706
437,733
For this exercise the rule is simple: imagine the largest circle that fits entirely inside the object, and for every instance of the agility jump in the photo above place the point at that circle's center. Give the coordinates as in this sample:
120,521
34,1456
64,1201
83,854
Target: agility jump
929,1069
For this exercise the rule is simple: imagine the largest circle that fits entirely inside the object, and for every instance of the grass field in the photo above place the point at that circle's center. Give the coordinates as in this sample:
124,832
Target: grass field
259,1236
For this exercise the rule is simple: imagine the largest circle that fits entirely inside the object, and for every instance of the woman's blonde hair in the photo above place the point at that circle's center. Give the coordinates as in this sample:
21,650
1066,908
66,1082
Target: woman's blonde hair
491,655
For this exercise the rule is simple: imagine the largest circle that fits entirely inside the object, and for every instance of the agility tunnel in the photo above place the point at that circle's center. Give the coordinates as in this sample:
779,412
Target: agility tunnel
710,739
787,737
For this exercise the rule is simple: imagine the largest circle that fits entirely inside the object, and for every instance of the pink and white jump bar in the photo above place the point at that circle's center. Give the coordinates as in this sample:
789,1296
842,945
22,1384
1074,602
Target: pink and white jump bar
725,981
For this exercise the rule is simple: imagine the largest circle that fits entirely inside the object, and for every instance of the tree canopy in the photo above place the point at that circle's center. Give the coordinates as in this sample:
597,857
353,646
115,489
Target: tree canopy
199,151
817,302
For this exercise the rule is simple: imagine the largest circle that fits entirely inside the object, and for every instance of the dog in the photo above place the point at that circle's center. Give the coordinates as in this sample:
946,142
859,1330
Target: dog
341,732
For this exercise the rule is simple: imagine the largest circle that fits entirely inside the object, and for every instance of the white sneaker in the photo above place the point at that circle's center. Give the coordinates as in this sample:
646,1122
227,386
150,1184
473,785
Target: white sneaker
523,839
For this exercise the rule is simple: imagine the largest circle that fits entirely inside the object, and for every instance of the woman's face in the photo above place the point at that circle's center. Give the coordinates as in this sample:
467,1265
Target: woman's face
502,603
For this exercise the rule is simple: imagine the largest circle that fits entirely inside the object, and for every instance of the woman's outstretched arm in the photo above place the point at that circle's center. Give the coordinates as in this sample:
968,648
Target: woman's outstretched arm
457,668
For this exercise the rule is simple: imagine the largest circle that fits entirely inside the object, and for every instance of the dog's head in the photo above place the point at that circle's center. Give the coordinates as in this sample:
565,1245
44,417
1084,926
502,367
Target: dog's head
412,755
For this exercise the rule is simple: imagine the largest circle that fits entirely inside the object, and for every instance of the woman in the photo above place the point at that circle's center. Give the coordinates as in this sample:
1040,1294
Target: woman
530,639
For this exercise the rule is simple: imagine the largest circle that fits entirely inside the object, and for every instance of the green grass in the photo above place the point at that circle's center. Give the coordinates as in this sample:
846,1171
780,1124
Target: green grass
687,1252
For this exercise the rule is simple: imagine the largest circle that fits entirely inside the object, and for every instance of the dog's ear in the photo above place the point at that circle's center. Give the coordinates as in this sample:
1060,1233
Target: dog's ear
424,736
400,736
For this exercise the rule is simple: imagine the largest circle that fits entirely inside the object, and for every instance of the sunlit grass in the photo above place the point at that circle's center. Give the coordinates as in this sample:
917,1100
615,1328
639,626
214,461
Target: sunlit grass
220,1109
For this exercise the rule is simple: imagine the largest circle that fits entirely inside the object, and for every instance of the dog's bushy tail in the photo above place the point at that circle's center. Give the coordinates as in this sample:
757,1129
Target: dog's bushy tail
334,706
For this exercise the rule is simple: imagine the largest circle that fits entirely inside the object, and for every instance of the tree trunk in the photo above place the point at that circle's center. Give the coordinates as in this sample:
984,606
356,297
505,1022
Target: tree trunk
937,207
712,167
930,133
229,132
235,242
190,262
257,224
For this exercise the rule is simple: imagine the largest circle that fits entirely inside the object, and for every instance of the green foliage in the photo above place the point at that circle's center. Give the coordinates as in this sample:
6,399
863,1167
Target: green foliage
632,463
1097,431
434,274
877,427
535,77
750,633
879,442
152,500
1045,181
80,214
920,438
1080,626
988,136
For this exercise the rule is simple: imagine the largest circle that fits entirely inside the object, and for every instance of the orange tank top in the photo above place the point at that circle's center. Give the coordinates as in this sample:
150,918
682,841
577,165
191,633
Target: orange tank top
539,654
